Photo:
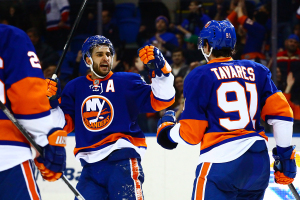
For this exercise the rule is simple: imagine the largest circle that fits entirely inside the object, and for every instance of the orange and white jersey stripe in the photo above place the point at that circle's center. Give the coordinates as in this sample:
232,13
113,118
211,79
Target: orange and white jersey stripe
23,91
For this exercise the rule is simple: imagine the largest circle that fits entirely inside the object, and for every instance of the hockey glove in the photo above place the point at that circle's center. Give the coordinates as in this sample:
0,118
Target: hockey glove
154,61
53,91
164,125
53,161
285,165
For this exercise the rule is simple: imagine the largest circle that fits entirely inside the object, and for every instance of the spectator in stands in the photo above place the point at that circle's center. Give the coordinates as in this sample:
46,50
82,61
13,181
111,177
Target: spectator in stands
178,61
218,11
295,107
195,20
48,70
110,29
289,61
191,53
44,52
256,31
165,41
57,17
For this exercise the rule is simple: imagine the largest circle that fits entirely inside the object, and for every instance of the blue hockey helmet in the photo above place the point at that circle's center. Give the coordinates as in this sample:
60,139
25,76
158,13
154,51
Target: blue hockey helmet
94,41
219,34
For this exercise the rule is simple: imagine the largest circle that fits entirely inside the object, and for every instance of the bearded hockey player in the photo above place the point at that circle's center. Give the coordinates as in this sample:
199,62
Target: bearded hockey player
103,108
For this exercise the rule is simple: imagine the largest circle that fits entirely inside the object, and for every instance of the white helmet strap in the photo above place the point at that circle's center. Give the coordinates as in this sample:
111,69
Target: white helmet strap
91,67
206,56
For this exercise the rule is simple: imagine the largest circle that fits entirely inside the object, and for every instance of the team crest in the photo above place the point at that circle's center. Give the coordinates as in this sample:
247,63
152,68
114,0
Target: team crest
97,113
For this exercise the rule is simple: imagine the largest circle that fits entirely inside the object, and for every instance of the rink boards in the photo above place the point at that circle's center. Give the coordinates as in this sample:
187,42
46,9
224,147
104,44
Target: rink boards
169,175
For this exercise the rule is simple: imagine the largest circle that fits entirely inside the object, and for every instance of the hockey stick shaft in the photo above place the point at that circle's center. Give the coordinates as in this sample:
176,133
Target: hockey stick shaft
69,39
28,136
291,185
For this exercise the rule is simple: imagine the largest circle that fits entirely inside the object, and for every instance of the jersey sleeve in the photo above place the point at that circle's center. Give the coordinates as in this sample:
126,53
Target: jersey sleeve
192,126
67,105
155,97
277,112
25,87
253,28
64,9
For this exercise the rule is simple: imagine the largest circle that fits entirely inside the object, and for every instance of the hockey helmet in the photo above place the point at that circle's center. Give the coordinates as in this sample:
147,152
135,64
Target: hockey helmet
219,34
94,41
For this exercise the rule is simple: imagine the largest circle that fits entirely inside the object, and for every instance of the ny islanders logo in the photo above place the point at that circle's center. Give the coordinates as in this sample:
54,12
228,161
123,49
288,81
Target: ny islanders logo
97,113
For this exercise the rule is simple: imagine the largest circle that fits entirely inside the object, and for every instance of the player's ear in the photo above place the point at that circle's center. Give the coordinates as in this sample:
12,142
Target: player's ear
88,60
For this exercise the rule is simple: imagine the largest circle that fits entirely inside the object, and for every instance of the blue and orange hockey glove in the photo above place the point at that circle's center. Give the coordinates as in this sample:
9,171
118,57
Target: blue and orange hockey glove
53,91
154,61
53,161
164,125
285,164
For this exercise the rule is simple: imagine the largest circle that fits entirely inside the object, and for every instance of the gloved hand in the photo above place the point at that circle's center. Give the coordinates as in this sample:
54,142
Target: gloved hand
53,161
154,61
53,91
164,125
285,165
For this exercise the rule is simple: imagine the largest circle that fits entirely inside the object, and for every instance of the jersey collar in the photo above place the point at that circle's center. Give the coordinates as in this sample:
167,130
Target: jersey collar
226,59
100,79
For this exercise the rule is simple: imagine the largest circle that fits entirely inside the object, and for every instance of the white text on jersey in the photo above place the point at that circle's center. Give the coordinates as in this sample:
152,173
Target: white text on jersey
236,71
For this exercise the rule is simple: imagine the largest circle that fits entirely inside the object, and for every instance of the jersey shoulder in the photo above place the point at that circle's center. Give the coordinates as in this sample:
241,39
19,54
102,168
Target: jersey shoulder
12,35
127,76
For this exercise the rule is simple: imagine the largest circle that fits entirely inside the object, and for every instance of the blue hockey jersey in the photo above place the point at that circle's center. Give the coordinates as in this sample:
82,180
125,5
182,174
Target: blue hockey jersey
104,111
224,101
23,91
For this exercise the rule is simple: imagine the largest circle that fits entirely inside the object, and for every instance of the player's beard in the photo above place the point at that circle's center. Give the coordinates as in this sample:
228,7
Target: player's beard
100,70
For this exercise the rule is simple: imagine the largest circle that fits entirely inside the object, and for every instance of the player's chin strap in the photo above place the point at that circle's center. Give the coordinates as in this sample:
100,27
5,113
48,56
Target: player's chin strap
91,67
205,55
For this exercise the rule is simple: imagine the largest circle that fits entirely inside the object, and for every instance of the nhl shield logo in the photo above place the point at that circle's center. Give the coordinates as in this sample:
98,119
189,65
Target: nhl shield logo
97,113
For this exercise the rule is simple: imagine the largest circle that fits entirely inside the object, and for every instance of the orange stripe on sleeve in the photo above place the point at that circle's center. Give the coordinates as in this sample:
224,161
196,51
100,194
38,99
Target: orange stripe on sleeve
160,105
135,175
166,69
212,138
202,181
295,107
242,19
69,127
28,96
30,181
9,132
232,17
192,130
65,16
276,105
114,137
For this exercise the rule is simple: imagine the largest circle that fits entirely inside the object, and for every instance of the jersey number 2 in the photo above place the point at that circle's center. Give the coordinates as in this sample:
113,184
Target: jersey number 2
239,105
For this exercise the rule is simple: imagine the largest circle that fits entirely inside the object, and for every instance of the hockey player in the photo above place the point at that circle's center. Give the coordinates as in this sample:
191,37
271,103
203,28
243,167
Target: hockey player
103,107
22,90
224,101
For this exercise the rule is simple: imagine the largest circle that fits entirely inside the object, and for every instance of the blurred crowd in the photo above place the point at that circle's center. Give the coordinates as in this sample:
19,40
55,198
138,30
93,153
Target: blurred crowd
129,26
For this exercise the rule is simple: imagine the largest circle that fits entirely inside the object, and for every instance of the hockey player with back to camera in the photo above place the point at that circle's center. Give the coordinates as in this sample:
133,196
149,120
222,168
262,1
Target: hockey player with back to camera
23,91
103,108
224,101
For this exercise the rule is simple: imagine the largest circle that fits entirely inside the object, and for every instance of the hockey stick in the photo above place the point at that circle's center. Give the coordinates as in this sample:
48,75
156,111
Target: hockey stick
54,76
28,136
291,186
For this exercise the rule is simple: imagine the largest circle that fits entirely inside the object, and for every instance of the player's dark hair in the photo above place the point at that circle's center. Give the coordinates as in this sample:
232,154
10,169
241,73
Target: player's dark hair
224,52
